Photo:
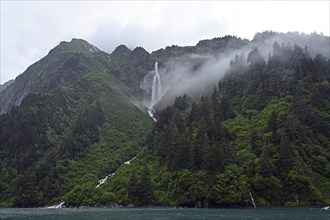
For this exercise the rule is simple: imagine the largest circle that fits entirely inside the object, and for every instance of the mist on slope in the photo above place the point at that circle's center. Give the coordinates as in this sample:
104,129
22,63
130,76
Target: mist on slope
197,74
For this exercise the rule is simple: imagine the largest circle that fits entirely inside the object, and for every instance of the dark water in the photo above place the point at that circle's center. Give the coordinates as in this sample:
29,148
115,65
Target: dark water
165,214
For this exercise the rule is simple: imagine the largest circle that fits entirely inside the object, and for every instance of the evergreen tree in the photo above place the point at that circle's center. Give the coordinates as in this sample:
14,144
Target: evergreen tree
255,59
178,121
204,108
254,143
226,156
286,156
170,144
226,111
272,125
182,103
181,156
193,115
133,188
145,187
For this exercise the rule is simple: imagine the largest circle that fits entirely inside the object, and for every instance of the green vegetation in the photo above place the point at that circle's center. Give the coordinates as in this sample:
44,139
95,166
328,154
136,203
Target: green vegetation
56,146
264,131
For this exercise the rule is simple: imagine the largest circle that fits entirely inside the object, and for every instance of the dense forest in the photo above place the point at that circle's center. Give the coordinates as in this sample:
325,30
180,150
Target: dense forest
82,125
264,132
261,131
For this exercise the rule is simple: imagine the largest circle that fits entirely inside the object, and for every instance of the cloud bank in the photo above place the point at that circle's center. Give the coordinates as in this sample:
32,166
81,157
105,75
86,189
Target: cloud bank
29,29
197,74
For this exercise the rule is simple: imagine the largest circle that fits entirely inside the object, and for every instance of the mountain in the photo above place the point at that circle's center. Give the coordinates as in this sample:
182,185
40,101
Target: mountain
234,120
71,123
260,138
135,68
60,67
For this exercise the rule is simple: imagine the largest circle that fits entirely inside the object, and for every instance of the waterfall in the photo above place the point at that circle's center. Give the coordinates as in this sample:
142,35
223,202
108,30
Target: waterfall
101,181
252,200
326,208
59,206
159,85
129,161
156,87
156,90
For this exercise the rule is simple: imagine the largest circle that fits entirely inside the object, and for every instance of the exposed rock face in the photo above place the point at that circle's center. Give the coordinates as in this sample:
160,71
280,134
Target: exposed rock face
5,85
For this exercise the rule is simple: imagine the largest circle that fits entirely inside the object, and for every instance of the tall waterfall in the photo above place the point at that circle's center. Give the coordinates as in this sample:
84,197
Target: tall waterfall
156,87
156,90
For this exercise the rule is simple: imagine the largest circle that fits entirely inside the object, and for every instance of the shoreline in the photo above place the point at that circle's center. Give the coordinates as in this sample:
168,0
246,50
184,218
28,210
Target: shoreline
173,207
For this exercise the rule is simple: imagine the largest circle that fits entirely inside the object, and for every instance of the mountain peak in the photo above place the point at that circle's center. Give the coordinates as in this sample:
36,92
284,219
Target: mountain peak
140,50
76,46
121,49
222,43
64,64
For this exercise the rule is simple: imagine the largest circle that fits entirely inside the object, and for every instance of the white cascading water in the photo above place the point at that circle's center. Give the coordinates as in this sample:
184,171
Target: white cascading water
252,200
156,90
326,208
59,206
101,181
156,86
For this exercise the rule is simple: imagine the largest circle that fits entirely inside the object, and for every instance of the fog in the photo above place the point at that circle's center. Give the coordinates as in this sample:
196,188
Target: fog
29,29
197,74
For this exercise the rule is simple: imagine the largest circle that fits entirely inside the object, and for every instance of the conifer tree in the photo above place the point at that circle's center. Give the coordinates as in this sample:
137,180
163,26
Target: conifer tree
133,188
145,187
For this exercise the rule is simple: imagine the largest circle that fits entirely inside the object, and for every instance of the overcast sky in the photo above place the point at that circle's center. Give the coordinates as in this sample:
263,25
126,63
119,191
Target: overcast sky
29,29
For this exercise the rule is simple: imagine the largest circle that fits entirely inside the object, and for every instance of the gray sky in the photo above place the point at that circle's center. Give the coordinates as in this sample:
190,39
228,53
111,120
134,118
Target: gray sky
29,29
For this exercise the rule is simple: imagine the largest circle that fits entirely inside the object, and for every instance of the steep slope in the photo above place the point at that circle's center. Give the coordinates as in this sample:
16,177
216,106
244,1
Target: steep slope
130,67
262,134
135,68
5,85
76,123
195,70
61,66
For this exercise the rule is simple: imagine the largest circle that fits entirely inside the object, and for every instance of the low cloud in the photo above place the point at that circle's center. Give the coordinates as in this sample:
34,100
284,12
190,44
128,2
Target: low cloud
29,29
197,74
